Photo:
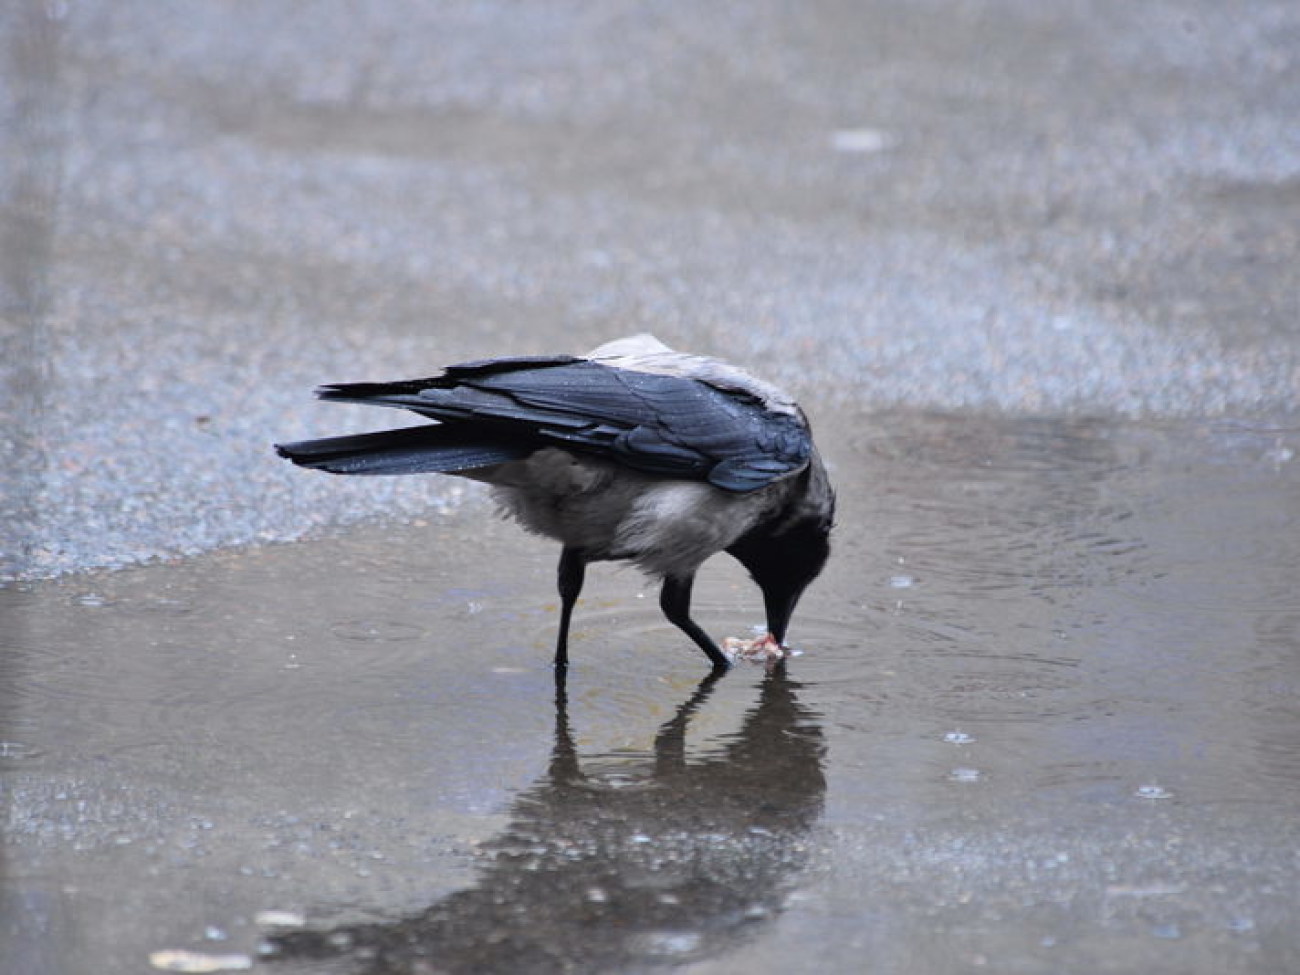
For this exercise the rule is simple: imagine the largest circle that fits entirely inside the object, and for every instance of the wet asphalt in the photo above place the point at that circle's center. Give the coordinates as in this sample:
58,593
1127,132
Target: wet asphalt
1008,206
1043,253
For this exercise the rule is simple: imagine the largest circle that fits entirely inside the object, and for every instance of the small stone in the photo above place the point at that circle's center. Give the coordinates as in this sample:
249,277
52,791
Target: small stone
1152,792
279,919
180,960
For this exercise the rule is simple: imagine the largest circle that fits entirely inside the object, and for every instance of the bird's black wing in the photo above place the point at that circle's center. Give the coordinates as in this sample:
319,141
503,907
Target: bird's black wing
667,425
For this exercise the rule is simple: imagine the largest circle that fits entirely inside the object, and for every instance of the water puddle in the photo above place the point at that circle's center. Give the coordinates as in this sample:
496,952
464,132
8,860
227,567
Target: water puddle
1046,714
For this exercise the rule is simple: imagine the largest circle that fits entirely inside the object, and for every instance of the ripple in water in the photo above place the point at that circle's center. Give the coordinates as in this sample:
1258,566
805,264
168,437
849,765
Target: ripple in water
1117,601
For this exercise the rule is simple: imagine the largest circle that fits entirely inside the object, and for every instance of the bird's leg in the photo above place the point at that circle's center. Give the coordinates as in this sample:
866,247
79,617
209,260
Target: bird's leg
675,601
569,581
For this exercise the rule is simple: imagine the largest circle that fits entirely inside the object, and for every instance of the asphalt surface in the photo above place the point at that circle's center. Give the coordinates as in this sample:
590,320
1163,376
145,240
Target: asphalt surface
1044,721
1030,267
1026,207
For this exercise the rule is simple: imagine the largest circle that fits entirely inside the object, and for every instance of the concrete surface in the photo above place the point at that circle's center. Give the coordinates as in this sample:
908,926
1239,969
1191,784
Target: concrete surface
1031,267
1042,207
1044,721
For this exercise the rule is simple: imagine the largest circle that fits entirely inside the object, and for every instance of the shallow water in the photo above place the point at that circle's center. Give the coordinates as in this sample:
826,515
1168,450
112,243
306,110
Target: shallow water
1045,718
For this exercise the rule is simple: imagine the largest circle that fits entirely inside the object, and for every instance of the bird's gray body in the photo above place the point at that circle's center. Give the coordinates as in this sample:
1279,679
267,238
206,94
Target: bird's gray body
634,452
664,526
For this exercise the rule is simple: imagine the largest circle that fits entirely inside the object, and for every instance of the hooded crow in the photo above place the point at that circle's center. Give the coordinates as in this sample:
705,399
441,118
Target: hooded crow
633,453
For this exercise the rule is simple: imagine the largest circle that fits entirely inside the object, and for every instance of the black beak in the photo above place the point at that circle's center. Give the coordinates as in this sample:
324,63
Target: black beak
780,607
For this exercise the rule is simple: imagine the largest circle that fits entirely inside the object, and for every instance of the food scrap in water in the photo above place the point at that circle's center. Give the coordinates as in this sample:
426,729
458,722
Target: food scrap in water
759,650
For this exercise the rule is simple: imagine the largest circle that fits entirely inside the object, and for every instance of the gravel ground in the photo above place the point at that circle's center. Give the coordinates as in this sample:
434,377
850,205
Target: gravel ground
1062,208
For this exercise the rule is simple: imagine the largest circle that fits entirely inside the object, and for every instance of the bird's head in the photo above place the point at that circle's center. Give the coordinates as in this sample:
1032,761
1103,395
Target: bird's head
788,551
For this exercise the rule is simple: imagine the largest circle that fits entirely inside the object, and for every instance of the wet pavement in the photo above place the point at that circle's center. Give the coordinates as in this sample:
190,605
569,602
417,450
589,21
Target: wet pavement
940,206
1044,719
1030,267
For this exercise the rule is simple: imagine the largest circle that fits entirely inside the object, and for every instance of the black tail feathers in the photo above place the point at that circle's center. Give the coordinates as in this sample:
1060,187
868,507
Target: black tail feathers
430,449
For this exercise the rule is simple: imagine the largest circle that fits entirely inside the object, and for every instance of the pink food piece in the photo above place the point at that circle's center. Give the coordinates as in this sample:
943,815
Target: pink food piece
759,650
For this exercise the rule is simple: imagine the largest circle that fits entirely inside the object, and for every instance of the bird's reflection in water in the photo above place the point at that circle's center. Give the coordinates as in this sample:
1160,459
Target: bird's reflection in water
666,860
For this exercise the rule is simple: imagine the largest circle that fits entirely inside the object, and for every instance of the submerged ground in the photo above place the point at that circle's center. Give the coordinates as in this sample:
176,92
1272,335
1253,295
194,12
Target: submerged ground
1045,720
1031,269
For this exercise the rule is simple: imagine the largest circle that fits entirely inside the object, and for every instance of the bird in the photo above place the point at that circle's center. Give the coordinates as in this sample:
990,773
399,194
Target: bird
633,453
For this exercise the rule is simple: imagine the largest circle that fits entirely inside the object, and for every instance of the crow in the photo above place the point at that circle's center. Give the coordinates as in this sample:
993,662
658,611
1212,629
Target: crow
633,452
